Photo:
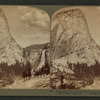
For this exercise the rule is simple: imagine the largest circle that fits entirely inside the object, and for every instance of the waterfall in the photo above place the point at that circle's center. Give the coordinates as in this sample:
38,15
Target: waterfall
42,61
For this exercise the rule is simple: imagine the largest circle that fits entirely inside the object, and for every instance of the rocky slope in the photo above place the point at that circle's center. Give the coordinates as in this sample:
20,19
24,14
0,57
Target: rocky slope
14,59
10,51
37,54
71,40
75,58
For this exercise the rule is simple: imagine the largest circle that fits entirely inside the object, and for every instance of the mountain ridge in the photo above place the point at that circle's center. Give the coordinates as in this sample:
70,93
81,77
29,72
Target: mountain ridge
71,39
11,51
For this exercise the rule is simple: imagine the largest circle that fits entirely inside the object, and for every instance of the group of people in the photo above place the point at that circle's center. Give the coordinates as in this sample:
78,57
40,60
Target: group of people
26,74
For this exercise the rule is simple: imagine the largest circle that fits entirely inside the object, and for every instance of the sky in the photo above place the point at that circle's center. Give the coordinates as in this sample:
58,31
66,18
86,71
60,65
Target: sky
28,25
92,15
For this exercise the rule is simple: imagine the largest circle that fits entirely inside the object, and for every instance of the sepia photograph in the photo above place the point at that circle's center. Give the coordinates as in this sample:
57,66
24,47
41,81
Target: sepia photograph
75,48
24,48
33,56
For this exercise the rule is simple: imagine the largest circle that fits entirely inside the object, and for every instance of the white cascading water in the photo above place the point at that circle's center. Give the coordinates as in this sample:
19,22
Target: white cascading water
42,62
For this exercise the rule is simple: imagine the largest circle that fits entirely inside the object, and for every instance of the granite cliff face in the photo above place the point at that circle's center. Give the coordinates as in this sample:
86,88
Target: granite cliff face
14,59
75,56
37,55
10,51
70,39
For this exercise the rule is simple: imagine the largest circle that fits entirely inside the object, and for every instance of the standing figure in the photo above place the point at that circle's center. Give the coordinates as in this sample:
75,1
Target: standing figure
62,83
29,72
24,74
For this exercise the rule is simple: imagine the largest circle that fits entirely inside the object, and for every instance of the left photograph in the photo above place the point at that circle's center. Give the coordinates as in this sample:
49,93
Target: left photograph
24,48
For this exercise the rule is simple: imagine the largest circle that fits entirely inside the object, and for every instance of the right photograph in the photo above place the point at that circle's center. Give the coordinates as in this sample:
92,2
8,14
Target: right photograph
75,48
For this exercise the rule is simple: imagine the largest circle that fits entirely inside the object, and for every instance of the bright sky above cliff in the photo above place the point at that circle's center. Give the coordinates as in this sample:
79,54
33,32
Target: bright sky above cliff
28,25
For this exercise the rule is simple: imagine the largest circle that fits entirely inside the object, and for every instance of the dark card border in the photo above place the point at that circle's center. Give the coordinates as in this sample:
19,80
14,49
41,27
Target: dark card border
48,2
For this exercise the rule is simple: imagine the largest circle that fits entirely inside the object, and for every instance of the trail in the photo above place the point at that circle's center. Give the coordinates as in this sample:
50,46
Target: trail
41,82
95,85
